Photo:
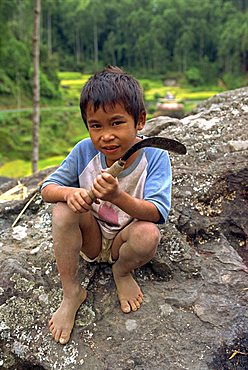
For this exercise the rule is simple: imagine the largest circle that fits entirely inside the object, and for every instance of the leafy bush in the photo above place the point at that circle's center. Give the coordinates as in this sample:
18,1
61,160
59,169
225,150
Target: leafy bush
49,66
6,85
157,96
47,88
145,86
209,71
151,108
193,76
233,81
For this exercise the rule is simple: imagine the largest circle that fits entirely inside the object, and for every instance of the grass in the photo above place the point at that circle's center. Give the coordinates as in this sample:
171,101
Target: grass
71,84
179,92
69,75
22,168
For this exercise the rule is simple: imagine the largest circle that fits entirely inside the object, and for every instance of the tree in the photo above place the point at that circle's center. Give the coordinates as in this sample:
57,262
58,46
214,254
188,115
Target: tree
143,36
36,86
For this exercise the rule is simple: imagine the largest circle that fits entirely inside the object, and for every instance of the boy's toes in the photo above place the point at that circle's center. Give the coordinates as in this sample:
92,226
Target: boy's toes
125,307
64,338
56,335
59,336
53,331
131,305
135,305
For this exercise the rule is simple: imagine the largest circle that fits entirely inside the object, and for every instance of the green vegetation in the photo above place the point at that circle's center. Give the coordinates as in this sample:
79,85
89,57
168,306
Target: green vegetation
62,127
21,168
71,83
202,46
60,130
196,43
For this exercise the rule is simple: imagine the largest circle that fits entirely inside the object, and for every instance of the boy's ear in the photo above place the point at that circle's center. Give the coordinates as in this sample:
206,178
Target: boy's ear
142,121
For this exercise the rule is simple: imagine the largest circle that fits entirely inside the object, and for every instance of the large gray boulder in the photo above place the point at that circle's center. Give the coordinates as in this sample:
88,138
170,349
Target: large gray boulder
195,311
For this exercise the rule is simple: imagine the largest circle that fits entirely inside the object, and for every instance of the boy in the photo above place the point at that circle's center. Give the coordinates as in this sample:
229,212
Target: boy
119,227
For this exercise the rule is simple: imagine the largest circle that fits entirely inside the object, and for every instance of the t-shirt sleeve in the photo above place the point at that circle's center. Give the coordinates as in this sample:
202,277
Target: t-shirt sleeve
68,172
159,181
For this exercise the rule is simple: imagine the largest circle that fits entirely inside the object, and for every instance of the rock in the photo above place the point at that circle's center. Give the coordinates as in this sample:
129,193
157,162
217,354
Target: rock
238,145
4,179
155,125
195,288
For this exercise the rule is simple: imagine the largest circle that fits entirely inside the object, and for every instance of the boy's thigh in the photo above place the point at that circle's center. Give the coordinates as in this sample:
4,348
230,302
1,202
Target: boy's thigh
91,235
138,234
82,227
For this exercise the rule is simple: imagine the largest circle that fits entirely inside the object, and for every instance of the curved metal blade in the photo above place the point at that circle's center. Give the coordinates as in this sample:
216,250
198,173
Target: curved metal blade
157,142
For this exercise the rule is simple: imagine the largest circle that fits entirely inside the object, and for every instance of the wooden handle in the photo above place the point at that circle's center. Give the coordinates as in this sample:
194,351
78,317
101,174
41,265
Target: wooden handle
114,170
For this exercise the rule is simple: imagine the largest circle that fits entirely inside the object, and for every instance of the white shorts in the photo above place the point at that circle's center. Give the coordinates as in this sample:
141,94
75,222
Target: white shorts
104,255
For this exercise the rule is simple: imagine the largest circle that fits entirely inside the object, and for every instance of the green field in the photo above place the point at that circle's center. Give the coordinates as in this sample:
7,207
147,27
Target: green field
61,127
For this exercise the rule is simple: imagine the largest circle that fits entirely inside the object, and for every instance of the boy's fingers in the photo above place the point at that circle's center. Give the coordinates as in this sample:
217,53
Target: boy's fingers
103,182
99,180
83,200
108,177
88,200
80,205
71,206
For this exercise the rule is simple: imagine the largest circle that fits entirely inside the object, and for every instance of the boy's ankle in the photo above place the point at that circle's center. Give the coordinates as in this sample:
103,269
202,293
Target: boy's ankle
73,290
121,269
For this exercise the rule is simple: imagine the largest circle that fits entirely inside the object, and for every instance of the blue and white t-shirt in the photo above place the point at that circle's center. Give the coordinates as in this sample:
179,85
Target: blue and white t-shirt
148,177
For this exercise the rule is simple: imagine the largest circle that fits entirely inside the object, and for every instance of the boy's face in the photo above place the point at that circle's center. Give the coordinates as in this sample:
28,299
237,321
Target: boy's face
113,131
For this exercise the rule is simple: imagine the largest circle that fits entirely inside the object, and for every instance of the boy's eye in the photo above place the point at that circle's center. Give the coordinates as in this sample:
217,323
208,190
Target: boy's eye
116,123
94,125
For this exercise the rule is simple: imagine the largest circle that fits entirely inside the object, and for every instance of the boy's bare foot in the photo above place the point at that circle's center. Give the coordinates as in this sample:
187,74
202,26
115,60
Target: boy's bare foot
62,321
129,293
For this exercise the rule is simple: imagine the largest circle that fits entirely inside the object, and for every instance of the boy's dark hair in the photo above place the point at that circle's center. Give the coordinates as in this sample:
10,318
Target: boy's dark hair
109,87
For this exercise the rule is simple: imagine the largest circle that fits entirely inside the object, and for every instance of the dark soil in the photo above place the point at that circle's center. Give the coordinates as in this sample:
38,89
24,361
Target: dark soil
234,357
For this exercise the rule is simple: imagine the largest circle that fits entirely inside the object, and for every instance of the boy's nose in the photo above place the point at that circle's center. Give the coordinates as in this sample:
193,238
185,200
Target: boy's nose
107,135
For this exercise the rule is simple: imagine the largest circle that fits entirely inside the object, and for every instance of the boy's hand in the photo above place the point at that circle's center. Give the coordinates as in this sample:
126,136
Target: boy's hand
106,187
78,200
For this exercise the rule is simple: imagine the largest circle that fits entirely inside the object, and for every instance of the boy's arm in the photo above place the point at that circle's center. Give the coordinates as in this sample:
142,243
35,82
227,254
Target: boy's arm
76,198
107,188
54,193
137,208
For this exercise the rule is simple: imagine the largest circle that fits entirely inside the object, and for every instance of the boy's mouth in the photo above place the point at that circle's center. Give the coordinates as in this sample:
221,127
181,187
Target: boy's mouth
110,149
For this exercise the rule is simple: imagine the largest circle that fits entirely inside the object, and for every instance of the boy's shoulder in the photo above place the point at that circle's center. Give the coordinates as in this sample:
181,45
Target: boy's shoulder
86,142
81,154
85,145
158,162
155,153
152,152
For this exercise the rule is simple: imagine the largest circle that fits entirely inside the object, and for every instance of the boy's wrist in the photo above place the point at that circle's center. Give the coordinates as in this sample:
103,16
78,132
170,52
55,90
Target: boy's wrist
117,199
65,194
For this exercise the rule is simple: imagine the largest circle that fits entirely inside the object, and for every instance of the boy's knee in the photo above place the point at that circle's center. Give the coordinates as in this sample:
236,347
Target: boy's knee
147,237
62,215
148,231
